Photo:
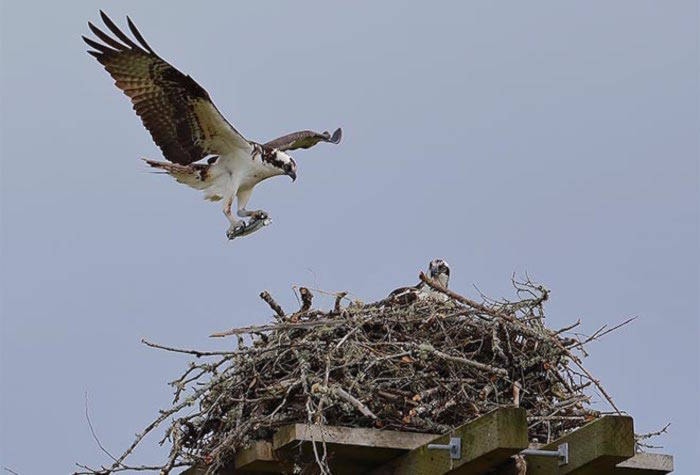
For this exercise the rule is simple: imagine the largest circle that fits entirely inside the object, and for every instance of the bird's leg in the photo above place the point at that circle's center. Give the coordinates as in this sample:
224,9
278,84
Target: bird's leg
236,226
243,197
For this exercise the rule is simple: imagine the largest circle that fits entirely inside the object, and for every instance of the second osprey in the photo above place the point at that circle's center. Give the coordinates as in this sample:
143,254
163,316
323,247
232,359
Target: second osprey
438,270
187,127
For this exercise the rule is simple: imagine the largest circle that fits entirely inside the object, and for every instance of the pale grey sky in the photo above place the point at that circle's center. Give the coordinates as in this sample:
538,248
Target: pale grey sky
556,138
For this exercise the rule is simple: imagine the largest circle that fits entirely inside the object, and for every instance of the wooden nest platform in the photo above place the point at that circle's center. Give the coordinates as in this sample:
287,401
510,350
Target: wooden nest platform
364,388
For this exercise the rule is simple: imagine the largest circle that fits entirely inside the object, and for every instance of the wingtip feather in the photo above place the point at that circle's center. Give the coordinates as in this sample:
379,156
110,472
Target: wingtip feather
106,38
119,33
139,37
98,46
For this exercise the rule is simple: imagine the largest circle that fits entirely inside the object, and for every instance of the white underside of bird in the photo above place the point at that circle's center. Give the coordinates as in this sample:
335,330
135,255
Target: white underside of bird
230,177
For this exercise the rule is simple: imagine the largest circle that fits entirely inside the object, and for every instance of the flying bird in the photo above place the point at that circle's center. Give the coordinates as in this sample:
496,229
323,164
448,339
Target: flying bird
187,127
438,270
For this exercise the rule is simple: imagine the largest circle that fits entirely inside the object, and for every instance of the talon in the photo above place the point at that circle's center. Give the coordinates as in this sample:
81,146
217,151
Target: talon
260,215
234,231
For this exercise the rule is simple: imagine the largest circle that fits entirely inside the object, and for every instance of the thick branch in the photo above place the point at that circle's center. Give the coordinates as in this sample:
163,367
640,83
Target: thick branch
265,295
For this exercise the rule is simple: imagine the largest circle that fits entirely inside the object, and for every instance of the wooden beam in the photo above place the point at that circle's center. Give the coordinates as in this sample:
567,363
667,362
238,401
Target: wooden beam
260,458
646,464
360,437
604,446
596,448
350,450
347,448
486,442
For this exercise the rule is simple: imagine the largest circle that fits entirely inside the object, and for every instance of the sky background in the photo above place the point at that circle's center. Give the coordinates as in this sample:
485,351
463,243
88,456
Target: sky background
548,137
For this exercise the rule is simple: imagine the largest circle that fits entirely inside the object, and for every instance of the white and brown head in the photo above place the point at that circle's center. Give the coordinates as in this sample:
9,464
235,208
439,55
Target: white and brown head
439,270
281,163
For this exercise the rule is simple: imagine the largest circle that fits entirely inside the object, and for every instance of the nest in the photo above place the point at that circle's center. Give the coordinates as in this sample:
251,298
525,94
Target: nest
427,366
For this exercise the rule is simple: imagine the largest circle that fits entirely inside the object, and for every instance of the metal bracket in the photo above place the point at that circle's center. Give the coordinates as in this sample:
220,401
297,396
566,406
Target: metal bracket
562,453
455,447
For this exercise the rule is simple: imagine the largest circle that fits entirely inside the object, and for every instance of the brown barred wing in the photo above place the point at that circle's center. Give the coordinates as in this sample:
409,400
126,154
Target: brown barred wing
176,110
304,139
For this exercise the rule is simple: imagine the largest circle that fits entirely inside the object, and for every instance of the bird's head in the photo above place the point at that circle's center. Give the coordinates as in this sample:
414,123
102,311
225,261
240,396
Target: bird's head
281,162
440,271
291,168
286,164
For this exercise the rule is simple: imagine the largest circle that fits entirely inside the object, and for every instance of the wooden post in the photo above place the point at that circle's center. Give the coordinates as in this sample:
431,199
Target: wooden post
594,449
645,464
486,442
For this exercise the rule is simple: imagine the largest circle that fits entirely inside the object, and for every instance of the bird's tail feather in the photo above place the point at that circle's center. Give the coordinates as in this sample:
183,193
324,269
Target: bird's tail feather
196,175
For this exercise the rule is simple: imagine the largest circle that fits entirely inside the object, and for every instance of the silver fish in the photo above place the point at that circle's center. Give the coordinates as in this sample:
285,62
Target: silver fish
255,224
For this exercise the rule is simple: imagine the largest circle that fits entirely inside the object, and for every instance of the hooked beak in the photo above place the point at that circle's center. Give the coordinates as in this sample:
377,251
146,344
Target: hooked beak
292,175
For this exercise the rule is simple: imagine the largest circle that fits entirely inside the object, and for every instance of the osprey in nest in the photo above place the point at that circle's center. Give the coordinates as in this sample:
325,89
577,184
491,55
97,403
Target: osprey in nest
438,270
188,127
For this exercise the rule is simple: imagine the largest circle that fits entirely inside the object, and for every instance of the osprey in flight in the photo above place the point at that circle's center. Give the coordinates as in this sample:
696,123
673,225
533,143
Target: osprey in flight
439,270
188,127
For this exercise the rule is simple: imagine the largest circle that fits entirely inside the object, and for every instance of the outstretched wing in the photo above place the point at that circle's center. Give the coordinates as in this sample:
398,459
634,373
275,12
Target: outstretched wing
304,139
176,110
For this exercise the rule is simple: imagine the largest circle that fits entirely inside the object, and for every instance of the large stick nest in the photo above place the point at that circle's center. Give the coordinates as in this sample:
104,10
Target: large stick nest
427,366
